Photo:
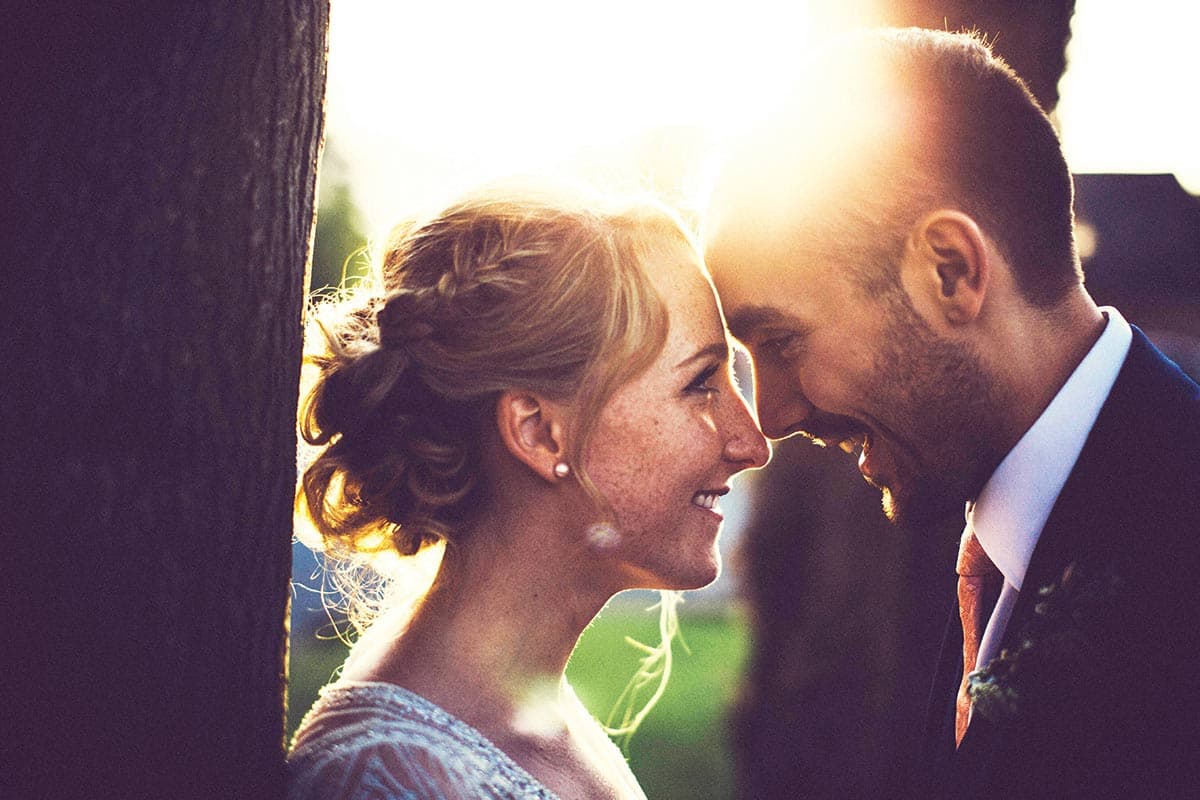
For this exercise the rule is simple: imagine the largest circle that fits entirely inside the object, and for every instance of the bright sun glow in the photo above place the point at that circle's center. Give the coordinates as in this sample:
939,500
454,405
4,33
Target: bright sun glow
1128,97
427,99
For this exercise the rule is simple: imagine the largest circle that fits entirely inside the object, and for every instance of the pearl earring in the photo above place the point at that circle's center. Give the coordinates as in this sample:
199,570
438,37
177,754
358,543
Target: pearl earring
562,469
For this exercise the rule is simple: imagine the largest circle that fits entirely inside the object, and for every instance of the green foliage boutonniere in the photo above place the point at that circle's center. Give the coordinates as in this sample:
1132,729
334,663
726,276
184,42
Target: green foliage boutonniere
1058,653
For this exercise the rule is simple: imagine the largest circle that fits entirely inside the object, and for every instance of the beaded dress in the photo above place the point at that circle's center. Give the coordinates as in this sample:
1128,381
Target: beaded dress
379,741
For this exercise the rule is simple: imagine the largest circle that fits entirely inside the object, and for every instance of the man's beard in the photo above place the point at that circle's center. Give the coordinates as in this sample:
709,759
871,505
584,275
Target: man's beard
940,393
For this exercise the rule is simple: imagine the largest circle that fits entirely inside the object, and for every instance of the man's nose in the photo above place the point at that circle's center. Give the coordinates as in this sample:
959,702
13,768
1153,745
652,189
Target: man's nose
745,444
782,405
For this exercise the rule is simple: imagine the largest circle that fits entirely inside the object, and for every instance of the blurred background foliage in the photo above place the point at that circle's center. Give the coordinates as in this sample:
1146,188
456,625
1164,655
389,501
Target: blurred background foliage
339,246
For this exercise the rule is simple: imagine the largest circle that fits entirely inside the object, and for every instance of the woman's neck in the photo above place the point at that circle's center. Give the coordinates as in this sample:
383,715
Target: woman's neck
491,640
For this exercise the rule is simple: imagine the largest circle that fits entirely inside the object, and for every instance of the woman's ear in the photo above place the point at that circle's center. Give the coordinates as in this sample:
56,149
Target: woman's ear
946,267
532,429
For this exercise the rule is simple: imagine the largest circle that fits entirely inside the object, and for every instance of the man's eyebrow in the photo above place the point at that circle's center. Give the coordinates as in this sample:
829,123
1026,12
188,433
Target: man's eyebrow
742,323
719,350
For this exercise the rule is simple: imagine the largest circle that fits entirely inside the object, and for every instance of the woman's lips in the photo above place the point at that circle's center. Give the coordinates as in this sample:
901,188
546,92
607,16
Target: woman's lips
707,499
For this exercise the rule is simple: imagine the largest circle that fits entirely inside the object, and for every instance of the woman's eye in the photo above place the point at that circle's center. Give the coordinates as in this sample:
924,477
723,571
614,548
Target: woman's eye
703,383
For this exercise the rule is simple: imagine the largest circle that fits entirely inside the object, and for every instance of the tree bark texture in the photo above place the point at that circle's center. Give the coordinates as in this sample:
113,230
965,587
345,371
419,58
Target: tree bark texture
161,172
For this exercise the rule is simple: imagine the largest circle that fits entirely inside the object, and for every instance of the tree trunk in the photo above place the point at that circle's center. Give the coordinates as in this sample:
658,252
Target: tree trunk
161,164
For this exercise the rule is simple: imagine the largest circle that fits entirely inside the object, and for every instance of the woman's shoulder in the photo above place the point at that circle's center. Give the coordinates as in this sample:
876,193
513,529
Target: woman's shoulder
379,740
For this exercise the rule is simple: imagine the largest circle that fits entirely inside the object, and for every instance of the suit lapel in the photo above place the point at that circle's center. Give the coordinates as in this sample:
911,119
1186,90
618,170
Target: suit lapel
1101,518
1083,520
1080,522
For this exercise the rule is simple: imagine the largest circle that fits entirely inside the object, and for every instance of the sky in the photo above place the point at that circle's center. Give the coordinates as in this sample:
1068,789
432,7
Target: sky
1128,96
428,99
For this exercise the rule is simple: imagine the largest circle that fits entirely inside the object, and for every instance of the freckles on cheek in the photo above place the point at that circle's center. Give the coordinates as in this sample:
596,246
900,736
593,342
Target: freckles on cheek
616,456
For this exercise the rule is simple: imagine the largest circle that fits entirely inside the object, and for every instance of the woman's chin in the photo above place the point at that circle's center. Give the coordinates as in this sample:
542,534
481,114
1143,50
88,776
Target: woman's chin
697,578
678,575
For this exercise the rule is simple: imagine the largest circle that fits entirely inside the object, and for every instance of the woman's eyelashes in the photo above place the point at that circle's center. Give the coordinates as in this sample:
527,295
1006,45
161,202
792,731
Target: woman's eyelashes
704,383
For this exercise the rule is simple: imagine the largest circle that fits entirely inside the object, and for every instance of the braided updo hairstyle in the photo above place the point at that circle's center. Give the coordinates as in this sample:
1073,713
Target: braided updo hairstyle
500,291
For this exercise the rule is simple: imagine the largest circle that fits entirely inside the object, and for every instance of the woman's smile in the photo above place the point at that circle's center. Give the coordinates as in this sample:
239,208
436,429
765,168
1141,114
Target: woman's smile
707,499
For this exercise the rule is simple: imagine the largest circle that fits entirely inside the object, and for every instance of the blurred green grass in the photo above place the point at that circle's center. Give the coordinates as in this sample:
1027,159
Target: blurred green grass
682,750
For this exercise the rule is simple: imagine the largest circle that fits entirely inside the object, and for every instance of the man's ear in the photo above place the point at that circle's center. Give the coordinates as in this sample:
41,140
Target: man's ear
946,267
532,429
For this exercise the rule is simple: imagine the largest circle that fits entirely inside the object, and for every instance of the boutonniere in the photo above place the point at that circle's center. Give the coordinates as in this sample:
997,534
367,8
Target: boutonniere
1059,653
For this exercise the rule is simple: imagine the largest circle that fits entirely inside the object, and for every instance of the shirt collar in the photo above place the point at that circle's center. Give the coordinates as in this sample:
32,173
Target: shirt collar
1014,504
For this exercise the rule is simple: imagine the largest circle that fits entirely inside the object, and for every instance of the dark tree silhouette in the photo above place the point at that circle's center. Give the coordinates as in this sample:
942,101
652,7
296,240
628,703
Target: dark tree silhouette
159,187
1031,35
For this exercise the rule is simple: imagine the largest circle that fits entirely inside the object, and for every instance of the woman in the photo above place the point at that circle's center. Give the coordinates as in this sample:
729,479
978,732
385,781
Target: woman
547,390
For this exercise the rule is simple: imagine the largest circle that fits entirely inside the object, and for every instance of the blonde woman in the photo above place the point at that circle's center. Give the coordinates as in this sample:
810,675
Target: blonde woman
547,391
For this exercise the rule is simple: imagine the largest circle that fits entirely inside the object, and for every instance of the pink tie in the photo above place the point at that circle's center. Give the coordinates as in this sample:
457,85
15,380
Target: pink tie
978,578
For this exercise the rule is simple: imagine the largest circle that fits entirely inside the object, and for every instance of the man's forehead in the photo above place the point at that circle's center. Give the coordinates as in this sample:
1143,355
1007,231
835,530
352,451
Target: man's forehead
753,273
745,319
745,240
744,253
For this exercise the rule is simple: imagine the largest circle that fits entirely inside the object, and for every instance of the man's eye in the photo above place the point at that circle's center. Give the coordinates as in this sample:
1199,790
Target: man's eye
786,346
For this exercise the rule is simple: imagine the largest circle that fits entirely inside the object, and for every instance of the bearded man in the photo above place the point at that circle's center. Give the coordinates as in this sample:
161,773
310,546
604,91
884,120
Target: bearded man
895,249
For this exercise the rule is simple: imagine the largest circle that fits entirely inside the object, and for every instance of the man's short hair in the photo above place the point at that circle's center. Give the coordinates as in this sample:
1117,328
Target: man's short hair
888,125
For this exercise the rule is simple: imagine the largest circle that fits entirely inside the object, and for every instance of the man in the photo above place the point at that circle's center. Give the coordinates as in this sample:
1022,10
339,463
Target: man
895,249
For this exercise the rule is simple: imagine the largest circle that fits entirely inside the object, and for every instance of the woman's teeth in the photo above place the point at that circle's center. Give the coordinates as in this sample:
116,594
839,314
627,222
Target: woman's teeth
705,499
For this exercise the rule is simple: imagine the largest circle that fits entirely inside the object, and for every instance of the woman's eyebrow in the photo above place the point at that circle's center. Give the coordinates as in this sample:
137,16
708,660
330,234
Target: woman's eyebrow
719,350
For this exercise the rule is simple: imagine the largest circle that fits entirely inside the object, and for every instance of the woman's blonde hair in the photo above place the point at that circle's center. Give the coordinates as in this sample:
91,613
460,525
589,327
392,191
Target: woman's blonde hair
500,291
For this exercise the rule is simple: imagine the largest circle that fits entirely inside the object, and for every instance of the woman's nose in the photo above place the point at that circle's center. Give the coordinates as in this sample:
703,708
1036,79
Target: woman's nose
746,445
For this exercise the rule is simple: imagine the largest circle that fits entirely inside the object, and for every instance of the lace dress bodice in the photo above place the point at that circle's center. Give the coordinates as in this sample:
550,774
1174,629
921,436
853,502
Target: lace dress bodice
379,741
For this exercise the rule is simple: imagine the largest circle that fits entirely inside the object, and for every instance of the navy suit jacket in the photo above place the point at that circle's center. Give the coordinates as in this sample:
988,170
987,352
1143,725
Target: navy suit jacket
1116,697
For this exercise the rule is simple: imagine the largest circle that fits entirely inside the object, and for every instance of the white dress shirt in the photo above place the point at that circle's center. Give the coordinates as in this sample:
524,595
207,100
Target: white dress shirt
1012,508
